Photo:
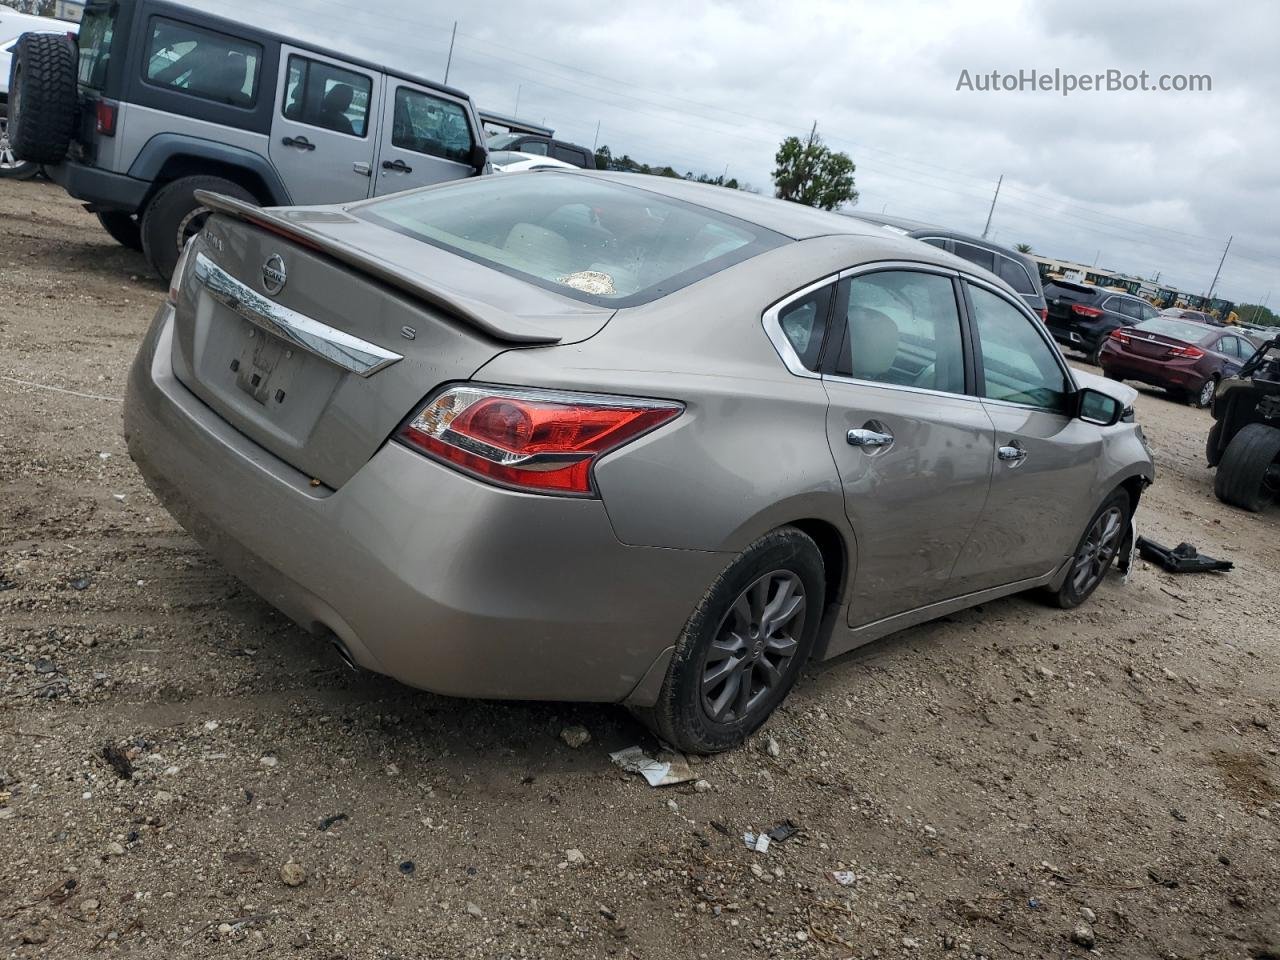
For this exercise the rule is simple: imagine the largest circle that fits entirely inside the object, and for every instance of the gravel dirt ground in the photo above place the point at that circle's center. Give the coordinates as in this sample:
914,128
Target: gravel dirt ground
1013,781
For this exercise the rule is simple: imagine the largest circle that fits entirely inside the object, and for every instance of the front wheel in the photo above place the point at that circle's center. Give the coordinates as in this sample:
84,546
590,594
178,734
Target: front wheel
173,216
743,647
1096,552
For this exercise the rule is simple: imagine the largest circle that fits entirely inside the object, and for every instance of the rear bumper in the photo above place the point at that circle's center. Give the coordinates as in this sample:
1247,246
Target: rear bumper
428,576
100,189
1152,372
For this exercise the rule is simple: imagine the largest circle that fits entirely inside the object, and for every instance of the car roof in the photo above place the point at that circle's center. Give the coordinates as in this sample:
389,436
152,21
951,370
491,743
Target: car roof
918,228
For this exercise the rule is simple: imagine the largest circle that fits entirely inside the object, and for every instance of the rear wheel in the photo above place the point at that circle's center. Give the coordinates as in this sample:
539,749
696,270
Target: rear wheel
123,227
11,168
173,216
1096,552
1204,398
1094,353
42,97
1249,474
1212,454
744,646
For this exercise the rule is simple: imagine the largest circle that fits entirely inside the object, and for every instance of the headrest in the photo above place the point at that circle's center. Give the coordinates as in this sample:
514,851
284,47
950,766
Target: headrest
873,342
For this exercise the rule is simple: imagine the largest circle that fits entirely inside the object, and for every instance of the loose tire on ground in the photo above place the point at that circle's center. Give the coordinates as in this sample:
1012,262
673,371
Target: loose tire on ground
173,216
123,227
1249,474
1074,591
42,97
728,618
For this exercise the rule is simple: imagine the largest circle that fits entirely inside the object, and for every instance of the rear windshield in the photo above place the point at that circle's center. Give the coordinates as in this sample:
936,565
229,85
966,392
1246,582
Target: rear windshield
589,239
96,29
1178,329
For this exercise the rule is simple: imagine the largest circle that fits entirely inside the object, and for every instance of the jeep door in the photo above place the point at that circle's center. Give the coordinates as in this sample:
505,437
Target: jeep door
322,139
426,137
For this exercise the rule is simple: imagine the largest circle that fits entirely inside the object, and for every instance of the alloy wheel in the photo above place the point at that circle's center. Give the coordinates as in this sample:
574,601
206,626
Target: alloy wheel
8,160
753,647
1100,546
1206,392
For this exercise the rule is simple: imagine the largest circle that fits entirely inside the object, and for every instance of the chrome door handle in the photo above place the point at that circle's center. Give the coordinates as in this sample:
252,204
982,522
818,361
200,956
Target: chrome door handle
868,438
362,168
1012,453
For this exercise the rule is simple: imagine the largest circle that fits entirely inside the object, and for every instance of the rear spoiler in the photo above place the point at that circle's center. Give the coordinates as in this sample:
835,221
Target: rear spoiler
497,324
1072,286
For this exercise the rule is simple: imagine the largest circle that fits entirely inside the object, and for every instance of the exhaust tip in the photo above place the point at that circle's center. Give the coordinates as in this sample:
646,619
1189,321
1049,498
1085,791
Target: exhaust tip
345,654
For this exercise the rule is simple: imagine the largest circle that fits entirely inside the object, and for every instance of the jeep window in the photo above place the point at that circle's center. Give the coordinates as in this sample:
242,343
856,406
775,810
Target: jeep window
322,95
96,29
426,124
203,63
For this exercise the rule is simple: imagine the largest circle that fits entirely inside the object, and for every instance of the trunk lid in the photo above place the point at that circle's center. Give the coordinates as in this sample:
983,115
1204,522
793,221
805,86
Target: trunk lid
1155,346
322,370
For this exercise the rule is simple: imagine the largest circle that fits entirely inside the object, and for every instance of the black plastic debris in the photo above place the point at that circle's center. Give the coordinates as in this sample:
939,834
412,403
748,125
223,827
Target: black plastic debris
783,832
1184,558
118,760
328,822
407,867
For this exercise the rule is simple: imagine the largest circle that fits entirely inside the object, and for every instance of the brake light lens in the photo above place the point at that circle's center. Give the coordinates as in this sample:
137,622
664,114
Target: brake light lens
1186,353
1044,314
105,116
1121,335
179,271
1080,310
539,441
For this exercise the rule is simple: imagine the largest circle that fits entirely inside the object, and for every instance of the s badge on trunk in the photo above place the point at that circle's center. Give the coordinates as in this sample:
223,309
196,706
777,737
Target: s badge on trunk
274,274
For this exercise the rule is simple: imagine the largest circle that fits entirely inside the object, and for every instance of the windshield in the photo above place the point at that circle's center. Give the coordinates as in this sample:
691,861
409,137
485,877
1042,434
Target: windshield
590,239
96,29
1178,329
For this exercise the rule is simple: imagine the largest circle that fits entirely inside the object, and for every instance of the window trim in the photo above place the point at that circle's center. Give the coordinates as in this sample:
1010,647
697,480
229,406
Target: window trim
772,322
144,62
1041,331
278,110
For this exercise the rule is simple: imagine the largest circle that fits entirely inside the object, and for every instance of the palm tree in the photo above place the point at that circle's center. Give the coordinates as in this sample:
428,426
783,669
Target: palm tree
1022,247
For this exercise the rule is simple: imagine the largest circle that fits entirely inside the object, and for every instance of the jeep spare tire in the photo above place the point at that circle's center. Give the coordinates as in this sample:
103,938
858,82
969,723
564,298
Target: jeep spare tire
42,97
174,215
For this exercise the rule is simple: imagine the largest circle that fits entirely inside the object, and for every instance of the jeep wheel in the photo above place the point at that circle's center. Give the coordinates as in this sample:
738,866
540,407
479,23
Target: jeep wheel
174,216
123,227
11,168
42,97
1249,474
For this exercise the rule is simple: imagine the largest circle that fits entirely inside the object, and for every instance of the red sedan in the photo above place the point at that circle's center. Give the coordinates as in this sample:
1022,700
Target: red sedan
1184,357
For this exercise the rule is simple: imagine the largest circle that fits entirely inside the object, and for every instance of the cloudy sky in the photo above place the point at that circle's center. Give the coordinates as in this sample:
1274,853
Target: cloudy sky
1140,181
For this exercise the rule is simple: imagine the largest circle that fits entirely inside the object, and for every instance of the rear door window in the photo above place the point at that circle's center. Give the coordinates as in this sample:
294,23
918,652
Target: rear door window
327,96
983,258
902,328
538,147
426,124
202,63
568,155
1014,274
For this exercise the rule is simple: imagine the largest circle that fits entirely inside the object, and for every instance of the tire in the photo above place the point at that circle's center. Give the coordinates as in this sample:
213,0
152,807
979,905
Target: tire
1098,547
1212,454
42,97
1249,474
1210,386
173,216
11,168
1094,354
727,619
123,227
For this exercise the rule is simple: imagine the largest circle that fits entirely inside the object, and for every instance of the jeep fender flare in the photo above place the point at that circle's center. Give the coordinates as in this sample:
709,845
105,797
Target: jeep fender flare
160,150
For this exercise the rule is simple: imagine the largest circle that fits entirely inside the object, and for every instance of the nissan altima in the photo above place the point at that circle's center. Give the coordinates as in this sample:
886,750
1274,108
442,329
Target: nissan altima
593,436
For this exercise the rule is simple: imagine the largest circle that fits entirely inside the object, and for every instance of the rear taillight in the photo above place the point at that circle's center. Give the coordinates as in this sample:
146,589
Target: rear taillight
1121,335
540,441
1079,309
1186,353
1044,314
179,269
105,114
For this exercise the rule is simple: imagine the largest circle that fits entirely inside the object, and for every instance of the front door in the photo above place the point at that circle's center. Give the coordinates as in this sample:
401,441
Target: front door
426,138
1046,463
914,452
321,138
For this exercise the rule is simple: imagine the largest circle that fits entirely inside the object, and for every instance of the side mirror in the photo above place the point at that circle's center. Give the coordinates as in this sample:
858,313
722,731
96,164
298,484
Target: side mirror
479,157
1094,406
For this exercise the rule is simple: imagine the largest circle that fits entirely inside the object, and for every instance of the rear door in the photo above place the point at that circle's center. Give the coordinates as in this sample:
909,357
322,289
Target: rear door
1045,460
320,132
425,138
914,452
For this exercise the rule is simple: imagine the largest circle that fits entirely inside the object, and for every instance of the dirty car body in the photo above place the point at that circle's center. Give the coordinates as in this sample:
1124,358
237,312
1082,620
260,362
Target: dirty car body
510,438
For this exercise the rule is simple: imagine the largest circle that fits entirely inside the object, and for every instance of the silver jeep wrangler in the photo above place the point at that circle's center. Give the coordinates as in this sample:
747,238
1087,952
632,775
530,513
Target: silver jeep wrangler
160,101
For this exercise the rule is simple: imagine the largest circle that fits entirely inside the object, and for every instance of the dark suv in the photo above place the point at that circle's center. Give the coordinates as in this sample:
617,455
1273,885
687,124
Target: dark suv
542,146
1013,268
1082,316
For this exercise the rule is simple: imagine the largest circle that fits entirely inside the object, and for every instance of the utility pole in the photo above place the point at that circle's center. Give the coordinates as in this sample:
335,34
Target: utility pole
1257,310
993,206
813,132
449,63
596,142
1219,270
